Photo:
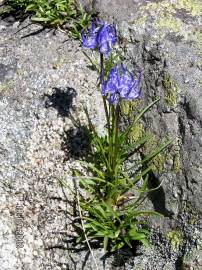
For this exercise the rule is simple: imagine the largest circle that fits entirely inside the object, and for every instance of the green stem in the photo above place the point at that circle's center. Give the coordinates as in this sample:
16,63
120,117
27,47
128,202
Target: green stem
111,138
116,143
104,98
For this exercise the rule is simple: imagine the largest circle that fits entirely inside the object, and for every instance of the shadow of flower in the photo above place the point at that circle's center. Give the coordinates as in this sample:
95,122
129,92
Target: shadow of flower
61,100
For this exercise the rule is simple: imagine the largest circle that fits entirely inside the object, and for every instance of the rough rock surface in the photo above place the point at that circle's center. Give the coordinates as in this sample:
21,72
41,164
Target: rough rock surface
44,83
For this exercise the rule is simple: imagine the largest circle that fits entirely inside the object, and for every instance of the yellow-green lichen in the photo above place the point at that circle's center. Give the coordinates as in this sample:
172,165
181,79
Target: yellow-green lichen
141,20
194,7
158,162
167,16
175,238
6,87
167,20
199,64
171,90
158,6
197,37
129,111
194,219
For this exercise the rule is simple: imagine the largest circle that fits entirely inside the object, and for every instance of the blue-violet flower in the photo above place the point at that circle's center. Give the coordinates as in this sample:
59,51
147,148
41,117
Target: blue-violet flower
102,36
121,84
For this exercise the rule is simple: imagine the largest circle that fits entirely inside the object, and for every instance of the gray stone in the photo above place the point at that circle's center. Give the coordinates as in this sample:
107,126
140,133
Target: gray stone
159,37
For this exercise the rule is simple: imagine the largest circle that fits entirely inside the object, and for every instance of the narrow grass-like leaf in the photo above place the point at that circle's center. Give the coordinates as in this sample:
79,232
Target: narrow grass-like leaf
153,154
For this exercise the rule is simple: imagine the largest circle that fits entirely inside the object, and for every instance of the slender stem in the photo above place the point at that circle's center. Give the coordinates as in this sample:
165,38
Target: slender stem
104,98
113,136
102,68
116,143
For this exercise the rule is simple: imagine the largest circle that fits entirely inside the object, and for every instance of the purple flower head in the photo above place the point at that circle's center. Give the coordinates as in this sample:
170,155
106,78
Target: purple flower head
102,36
106,38
121,84
89,39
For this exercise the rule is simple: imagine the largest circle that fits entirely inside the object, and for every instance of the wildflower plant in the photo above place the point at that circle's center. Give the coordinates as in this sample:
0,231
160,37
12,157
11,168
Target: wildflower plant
114,193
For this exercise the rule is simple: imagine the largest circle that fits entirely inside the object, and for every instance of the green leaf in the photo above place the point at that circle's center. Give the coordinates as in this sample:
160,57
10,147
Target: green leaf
145,110
139,143
147,213
40,19
145,242
125,134
93,63
153,154
136,235
157,151
143,173
93,168
117,233
106,239
118,246
126,239
30,7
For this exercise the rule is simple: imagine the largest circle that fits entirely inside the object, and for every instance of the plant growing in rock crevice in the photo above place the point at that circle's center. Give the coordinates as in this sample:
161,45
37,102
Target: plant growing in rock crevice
111,208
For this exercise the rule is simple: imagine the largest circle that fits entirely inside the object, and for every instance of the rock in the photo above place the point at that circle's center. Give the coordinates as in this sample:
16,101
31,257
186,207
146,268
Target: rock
39,76
164,40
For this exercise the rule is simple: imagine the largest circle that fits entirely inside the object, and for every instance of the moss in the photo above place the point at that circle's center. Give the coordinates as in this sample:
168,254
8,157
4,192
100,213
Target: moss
126,108
175,238
193,214
171,90
177,164
158,162
137,132
131,108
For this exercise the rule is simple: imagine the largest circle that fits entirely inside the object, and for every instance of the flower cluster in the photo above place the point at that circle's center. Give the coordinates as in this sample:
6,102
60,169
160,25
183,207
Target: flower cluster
102,36
121,84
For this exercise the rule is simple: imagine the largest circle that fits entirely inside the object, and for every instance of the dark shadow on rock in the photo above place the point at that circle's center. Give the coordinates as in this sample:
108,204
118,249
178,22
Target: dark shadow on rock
61,100
33,33
179,264
157,197
122,256
77,142
14,14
